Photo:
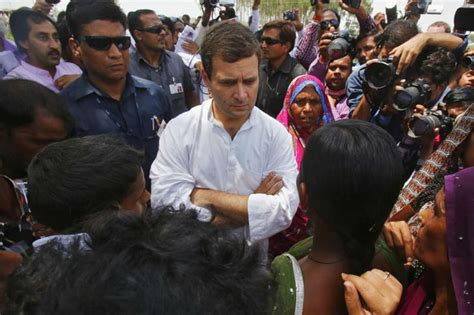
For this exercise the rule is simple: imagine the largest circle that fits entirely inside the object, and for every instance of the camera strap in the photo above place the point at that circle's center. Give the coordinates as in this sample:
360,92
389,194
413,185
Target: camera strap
436,164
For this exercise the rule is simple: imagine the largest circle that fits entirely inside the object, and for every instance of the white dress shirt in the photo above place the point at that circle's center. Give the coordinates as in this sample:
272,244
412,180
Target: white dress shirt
196,151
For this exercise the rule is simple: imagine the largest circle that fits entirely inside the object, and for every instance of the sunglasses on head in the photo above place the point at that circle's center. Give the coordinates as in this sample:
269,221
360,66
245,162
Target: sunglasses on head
104,42
157,29
270,41
326,24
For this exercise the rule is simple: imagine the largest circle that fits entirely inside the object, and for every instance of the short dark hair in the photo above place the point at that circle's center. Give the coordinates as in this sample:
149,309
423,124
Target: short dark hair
338,17
397,33
438,65
82,14
361,36
230,40
353,173
134,21
165,262
447,28
20,24
460,94
21,100
70,180
286,28
169,23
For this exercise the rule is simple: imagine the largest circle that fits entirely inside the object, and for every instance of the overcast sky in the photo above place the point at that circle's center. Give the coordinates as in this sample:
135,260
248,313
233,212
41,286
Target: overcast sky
165,7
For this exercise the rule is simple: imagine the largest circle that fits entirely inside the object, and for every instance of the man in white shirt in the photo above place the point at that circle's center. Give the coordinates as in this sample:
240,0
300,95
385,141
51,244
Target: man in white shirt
226,158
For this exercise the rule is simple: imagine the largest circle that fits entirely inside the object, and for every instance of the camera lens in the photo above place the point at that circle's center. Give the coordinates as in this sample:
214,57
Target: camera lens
420,126
379,74
468,62
407,98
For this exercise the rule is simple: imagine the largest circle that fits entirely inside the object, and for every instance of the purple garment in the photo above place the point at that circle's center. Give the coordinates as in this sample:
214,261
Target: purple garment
459,201
8,45
43,77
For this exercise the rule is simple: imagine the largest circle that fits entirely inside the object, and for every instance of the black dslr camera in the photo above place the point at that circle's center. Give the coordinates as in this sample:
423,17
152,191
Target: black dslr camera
210,3
425,125
380,74
341,45
415,92
289,16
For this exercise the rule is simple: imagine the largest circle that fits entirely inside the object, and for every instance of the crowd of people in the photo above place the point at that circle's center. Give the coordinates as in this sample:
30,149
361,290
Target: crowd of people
152,165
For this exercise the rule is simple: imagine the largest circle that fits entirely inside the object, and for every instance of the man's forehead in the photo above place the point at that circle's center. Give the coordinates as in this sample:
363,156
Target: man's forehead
241,69
272,31
43,26
150,19
103,28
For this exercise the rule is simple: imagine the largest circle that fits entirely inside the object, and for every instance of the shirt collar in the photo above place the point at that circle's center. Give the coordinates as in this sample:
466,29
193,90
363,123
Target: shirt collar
249,123
83,87
285,67
139,57
35,70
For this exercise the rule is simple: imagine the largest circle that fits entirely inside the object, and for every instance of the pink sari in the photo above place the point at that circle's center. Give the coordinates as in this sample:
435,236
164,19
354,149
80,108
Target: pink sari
296,232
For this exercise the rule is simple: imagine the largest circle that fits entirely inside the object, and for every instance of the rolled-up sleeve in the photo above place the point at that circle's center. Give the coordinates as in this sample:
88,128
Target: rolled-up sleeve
171,181
267,214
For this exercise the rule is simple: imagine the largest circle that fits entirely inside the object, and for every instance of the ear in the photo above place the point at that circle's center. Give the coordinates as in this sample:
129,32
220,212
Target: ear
137,35
205,77
24,44
288,47
75,48
303,194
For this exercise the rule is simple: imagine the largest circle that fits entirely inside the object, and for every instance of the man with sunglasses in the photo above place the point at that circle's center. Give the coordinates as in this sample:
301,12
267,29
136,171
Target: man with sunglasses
153,62
278,68
37,37
106,99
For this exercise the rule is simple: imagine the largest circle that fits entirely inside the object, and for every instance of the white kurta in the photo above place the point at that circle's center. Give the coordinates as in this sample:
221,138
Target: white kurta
196,151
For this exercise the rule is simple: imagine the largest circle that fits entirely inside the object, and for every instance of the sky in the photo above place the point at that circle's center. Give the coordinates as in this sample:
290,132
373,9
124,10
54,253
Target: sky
191,7
165,7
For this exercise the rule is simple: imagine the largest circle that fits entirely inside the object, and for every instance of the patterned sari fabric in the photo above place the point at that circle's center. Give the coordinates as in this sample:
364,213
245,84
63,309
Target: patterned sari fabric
297,231
459,201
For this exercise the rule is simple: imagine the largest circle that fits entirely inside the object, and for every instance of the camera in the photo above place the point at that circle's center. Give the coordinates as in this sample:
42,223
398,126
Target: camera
352,3
210,3
415,92
52,1
289,16
380,74
341,44
468,62
425,125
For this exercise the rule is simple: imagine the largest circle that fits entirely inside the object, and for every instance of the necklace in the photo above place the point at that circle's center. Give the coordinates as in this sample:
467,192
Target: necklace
325,262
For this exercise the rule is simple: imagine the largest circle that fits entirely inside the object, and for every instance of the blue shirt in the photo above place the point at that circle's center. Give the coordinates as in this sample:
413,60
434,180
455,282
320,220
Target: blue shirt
132,117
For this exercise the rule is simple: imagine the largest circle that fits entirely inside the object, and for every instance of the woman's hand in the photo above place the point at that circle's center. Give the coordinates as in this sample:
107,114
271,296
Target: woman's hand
380,291
397,236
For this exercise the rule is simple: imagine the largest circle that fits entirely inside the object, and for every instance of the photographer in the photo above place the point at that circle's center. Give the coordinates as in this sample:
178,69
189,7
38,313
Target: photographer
327,20
402,42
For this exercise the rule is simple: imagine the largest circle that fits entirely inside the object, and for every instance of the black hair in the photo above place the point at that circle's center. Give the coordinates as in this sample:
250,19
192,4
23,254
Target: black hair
169,23
286,29
396,33
80,14
20,24
353,173
438,64
134,21
460,94
165,262
338,17
21,100
229,40
363,35
70,180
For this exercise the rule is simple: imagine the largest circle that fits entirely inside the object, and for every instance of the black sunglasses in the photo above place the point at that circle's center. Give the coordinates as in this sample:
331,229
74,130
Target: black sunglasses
326,24
153,29
104,43
270,41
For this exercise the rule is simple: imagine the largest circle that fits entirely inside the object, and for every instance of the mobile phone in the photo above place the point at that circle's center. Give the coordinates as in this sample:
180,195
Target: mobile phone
352,3
52,1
